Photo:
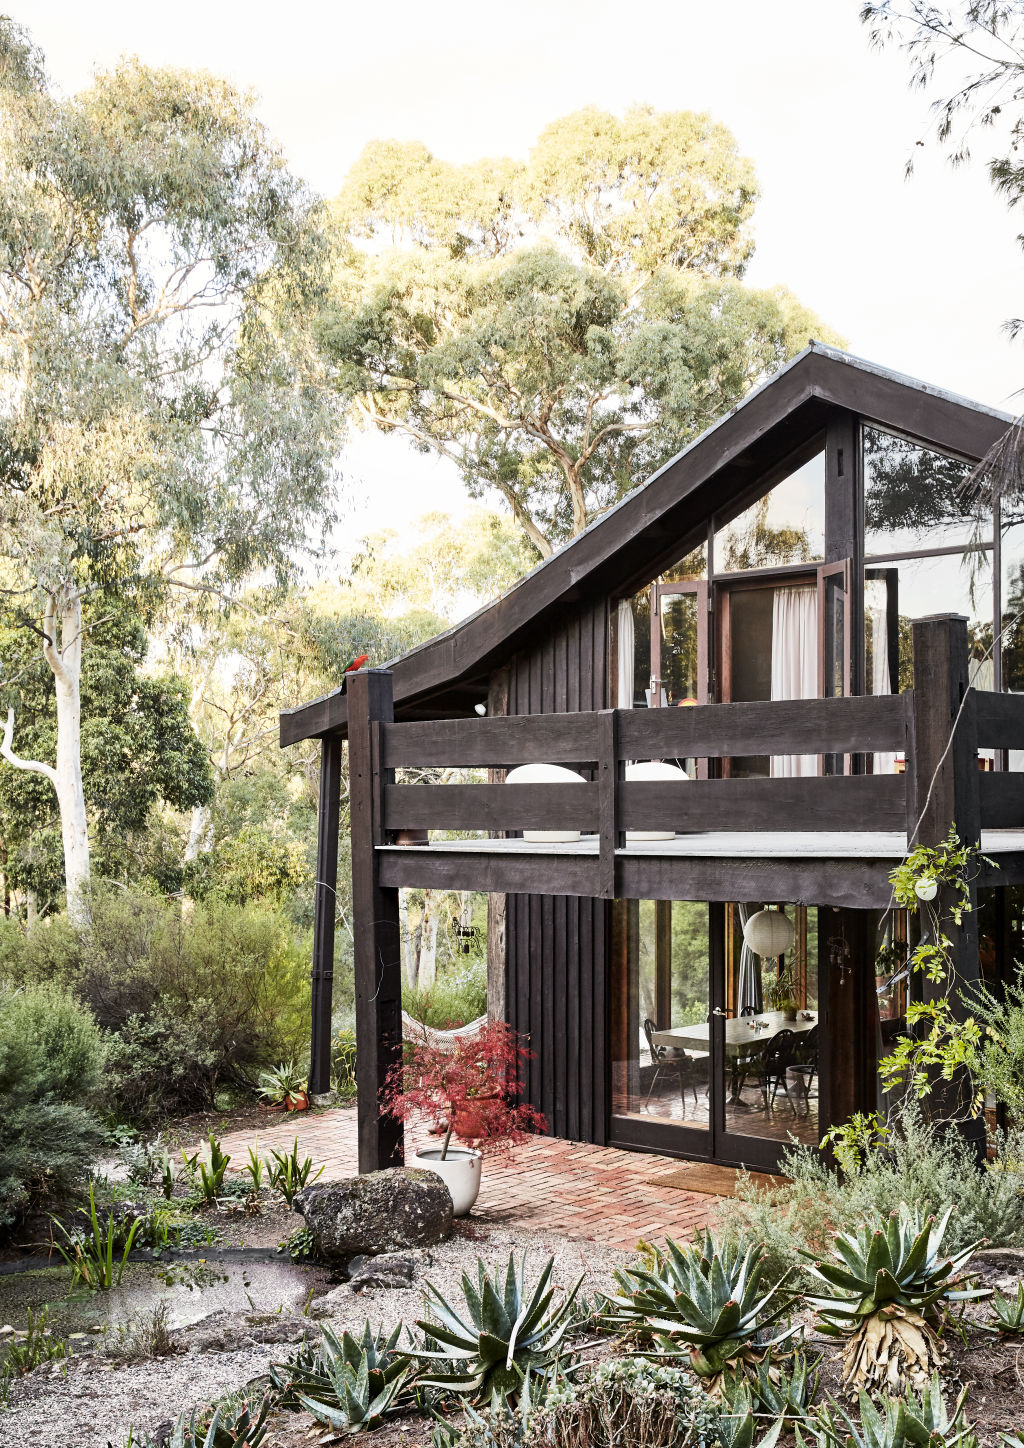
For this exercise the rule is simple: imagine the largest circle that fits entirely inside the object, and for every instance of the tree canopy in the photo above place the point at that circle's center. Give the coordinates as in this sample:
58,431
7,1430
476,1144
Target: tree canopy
558,327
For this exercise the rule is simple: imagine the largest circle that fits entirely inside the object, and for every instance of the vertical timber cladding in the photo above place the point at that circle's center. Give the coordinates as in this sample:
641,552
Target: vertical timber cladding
557,946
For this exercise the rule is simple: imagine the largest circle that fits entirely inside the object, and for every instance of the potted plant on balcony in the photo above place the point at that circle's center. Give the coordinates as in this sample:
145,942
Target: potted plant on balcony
471,1090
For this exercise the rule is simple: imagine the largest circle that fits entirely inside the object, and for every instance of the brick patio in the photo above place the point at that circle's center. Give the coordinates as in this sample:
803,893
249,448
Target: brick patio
589,1192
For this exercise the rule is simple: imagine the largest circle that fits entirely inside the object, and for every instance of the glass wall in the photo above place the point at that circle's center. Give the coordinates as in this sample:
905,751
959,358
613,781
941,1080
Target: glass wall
787,525
660,1023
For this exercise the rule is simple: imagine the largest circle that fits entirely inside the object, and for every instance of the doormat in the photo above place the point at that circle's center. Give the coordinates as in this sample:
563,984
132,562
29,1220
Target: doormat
715,1181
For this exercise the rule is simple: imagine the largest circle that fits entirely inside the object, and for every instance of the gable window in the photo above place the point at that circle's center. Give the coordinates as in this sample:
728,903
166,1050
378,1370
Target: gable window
786,525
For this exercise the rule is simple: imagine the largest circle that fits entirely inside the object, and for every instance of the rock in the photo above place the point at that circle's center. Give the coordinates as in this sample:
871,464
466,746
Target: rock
225,1331
380,1212
339,1299
389,1269
1000,1259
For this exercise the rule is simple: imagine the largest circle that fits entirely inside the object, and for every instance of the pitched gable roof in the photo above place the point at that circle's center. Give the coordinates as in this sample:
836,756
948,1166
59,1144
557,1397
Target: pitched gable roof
648,528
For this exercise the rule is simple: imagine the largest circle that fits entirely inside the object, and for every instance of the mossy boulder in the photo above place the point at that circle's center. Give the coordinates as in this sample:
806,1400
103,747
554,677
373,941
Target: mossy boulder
382,1211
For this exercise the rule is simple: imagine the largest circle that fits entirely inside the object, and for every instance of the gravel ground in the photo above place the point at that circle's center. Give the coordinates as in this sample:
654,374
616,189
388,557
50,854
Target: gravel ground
94,1403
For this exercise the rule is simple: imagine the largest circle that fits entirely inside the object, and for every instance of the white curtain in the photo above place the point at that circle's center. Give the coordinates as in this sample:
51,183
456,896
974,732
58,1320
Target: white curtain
626,655
881,682
794,663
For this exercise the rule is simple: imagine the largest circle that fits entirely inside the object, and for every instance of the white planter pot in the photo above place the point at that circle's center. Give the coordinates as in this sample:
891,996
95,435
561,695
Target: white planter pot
653,770
460,1172
546,774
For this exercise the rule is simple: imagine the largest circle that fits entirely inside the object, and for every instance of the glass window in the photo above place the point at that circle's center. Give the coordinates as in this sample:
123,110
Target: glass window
660,1023
913,497
694,565
915,588
787,525
1013,608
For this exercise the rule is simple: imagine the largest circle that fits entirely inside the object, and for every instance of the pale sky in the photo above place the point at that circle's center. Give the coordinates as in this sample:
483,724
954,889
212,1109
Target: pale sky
917,274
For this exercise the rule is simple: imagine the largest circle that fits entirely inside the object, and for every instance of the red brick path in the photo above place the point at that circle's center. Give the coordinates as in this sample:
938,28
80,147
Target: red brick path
578,1190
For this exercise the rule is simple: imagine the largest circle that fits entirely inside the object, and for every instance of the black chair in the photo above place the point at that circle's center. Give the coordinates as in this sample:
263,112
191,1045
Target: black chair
806,1063
673,1060
777,1056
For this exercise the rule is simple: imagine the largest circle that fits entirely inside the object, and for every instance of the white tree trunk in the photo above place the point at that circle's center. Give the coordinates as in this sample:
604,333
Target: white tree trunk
408,957
64,655
428,941
198,833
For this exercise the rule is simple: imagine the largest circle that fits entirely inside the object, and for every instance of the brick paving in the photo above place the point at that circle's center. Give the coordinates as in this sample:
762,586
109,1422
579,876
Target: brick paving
592,1193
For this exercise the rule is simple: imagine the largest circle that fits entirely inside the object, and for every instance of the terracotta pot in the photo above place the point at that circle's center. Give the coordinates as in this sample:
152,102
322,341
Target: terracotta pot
297,1101
471,1123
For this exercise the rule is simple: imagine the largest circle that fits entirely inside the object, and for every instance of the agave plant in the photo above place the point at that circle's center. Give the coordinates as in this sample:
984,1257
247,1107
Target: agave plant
503,1331
890,1291
704,1300
915,1421
231,1426
778,1393
1008,1312
348,1383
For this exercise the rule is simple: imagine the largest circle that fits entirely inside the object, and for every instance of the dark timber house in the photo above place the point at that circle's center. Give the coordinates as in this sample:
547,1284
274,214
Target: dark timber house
799,610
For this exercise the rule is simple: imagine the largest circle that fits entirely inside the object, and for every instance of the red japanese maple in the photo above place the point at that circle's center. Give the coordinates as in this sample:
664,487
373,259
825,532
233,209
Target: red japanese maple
470,1088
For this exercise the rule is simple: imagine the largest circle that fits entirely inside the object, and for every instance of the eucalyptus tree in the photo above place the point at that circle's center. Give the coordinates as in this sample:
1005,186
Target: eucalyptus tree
557,327
163,429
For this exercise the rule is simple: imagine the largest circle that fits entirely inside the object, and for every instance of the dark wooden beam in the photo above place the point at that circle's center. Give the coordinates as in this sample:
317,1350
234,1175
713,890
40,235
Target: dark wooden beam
944,791
375,923
325,908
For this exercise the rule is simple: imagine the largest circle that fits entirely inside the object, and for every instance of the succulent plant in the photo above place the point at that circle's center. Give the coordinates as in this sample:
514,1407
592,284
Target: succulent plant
1008,1312
890,1290
485,1349
348,1383
738,1422
776,1391
914,1421
230,1425
703,1300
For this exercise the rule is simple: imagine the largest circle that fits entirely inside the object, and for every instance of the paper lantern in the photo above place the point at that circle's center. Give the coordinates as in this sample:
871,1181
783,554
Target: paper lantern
926,888
652,770
769,933
546,774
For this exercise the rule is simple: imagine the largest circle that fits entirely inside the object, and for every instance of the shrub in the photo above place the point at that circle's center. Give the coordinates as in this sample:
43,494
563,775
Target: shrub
923,1166
455,997
51,1056
192,1003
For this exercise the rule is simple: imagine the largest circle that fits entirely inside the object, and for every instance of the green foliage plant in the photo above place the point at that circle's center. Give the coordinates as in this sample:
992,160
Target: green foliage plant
887,1290
485,1346
140,1336
705,1301
349,1384
280,1082
343,1064
228,1425
913,1420
255,1168
1008,1312
36,1345
288,1175
737,1423
95,1257
779,1390
209,1177
51,1062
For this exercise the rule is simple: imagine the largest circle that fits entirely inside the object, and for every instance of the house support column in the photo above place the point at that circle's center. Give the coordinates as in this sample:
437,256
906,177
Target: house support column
943,790
375,922
325,908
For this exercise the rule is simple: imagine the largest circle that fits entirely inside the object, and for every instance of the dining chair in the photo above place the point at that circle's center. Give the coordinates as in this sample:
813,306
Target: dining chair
779,1053
672,1059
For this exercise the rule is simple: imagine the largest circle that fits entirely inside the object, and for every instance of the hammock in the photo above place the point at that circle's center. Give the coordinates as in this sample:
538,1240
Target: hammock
414,1030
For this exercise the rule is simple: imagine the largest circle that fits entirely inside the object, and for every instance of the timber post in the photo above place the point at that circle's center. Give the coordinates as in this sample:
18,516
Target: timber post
609,774
944,790
325,908
376,933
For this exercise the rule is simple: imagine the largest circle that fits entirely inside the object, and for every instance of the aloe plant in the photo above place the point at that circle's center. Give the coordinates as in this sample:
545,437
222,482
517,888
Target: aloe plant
503,1330
779,1390
1008,1312
914,1421
350,1384
738,1422
890,1288
230,1426
703,1300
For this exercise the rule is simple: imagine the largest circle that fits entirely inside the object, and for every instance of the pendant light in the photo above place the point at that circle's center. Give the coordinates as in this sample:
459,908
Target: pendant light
769,933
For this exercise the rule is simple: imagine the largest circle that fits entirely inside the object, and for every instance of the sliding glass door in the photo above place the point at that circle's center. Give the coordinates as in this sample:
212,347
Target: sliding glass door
714,1048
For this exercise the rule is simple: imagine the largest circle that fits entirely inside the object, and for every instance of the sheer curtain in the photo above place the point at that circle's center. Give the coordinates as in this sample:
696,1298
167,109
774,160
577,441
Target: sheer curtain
878,621
626,655
794,663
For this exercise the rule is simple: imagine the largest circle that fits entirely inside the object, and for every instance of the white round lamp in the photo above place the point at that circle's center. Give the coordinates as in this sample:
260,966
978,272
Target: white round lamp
769,933
546,774
657,771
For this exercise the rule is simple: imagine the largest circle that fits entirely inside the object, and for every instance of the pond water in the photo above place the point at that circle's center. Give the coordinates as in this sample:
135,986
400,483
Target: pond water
192,1290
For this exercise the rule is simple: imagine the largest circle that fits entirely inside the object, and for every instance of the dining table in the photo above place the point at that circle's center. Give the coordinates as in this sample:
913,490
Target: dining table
745,1038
